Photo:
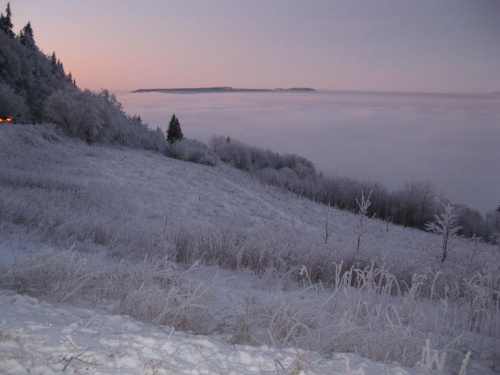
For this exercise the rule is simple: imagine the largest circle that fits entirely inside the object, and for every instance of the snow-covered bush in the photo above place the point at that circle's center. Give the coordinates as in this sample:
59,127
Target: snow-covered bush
191,150
254,159
232,152
98,117
76,112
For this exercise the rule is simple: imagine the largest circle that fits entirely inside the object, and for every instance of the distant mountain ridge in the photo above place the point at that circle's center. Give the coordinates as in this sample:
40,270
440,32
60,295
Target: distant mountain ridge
203,90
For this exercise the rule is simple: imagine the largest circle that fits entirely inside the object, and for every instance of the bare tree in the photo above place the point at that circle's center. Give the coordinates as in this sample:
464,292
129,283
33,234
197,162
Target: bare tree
328,229
363,206
445,226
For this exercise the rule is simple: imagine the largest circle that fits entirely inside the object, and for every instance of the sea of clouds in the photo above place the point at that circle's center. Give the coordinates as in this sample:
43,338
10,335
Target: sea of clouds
451,140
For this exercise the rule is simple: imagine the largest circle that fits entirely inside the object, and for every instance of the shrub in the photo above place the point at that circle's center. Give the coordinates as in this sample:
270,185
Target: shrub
191,150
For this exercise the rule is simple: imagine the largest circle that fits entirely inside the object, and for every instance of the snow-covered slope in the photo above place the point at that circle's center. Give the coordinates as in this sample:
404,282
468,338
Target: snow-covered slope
44,339
58,194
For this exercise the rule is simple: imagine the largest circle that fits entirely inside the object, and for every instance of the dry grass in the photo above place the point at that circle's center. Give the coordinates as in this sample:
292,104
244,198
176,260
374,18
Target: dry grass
124,251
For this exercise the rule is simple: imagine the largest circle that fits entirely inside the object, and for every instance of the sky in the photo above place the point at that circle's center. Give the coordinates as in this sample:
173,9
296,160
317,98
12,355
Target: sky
411,46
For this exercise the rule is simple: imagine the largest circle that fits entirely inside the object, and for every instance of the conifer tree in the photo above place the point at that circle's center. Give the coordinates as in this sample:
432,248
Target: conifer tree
71,79
27,37
6,22
53,62
174,132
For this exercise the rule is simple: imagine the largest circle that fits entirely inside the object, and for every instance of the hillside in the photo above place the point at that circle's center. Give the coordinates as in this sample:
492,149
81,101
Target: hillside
209,250
35,87
114,257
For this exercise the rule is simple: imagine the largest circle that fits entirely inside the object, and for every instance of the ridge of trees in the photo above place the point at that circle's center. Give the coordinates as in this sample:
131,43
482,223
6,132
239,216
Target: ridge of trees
35,88
6,22
27,76
413,205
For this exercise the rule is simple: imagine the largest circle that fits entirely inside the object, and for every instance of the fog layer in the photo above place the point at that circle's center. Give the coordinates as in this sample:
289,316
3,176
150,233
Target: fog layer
451,140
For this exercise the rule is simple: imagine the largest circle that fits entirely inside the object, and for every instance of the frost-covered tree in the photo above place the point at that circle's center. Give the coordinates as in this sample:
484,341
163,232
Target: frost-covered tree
76,112
156,139
6,22
191,150
27,70
493,226
445,226
328,228
232,152
27,37
57,66
363,205
174,132
98,117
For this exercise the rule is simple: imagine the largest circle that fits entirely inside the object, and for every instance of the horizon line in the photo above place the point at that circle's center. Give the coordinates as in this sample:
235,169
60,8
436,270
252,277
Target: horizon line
312,90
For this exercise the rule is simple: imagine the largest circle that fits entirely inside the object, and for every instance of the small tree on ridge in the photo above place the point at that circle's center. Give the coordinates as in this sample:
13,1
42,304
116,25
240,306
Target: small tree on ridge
6,22
363,206
445,226
174,132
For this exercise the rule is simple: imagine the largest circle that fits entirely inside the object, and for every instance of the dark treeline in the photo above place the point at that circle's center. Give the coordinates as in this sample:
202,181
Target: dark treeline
35,88
27,76
413,205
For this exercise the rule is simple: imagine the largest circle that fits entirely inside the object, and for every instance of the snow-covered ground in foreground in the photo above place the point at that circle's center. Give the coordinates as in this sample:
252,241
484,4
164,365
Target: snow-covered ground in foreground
52,186
39,338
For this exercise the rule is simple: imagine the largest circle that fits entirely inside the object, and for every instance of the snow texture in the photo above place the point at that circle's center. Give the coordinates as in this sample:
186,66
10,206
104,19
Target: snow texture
41,338
59,193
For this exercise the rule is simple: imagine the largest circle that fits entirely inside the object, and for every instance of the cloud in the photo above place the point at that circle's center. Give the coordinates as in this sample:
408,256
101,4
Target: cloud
449,140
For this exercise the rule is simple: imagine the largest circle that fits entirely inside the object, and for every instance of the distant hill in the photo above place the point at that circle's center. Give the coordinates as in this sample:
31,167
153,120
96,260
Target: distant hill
204,90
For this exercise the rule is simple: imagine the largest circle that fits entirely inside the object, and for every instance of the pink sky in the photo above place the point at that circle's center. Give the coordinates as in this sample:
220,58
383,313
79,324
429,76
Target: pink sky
432,46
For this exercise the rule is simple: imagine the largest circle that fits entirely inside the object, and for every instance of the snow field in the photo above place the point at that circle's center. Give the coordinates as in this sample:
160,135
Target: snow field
42,338
283,286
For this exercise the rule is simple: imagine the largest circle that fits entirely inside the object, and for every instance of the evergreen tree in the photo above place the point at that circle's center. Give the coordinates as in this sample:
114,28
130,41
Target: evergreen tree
71,79
6,23
174,132
27,38
53,62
